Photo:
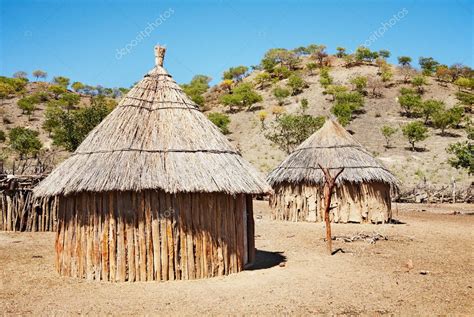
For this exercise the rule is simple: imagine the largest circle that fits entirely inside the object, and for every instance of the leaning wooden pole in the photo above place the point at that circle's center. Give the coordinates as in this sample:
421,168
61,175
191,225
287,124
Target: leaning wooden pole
329,184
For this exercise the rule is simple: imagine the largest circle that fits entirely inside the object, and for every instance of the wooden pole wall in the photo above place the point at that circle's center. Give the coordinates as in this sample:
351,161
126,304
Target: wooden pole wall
151,235
20,211
360,203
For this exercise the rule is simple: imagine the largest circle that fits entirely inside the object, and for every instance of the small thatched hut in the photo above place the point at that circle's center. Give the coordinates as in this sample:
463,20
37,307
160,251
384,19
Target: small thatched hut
363,189
155,192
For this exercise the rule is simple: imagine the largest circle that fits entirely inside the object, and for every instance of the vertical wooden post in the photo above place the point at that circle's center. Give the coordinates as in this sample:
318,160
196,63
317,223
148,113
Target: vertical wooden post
329,183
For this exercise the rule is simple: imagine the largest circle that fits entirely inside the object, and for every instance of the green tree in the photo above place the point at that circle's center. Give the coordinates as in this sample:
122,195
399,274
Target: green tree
428,65
3,136
464,83
364,54
281,72
419,82
281,57
61,81
343,112
243,96
40,74
384,54
387,132
5,91
319,53
404,60
76,86
52,115
235,73
410,103
341,52
354,99
430,107
311,67
360,83
18,84
335,89
262,79
198,85
296,84
70,100
20,74
57,90
415,132
27,106
463,156
289,130
24,141
220,120
281,94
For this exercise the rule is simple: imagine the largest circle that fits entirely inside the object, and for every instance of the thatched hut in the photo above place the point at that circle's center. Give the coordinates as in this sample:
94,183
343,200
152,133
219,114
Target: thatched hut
154,192
363,189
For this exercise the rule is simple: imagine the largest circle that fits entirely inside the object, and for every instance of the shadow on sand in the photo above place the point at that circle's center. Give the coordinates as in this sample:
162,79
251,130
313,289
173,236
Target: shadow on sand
266,260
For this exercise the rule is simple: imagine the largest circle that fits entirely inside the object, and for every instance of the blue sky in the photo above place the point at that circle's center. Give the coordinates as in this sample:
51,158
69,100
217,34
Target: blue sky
99,42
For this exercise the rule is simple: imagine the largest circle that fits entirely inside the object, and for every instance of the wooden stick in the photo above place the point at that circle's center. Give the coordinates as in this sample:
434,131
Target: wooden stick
329,183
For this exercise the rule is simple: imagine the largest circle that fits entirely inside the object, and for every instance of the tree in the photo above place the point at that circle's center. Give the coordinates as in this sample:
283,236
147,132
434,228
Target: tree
384,54
387,132
27,106
360,83
335,89
3,136
463,156
279,56
262,78
20,74
198,85
443,73
319,53
220,120
70,100
364,54
415,132
57,90
430,107
296,84
24,141
450,118
18,84
52,115
324,78
76,86
281,94
311,67
281,72
235,73
428,65
75,125
341,52
226,85
40,74
406,71
354,99
61,81
419,82
404,60
5,91
410,103
242,96
464,83
289,130
343,112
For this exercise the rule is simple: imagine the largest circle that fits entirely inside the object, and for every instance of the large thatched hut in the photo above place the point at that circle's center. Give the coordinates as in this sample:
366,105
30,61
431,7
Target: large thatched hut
363,189
154,192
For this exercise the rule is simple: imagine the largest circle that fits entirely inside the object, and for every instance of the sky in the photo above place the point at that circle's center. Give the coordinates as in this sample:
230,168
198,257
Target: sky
111,42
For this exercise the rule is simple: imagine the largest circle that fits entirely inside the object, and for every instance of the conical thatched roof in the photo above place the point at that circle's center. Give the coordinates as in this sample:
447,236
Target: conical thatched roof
156,138
332,147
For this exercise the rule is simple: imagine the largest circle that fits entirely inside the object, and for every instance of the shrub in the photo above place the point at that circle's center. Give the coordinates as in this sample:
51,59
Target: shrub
343,112
281,94
61,81
463,156
335,89
415,132
464,83
289,130
3,136
27,106
281,72
220,120
410,103
360,83
311,66
235,73
419,82
431,107
24,141
296,84
262,78
243,96
196,88
387,132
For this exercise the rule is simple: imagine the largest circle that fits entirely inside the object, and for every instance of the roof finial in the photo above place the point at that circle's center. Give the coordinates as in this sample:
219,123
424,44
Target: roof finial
159,55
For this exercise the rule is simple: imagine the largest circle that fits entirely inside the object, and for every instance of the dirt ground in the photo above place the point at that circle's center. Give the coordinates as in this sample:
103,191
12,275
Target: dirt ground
293,274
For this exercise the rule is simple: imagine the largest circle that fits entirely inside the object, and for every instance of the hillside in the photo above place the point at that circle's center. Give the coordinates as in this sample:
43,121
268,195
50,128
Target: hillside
411,167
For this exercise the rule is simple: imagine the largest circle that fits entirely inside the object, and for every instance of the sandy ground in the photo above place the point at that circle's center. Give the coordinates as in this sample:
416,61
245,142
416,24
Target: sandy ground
293,275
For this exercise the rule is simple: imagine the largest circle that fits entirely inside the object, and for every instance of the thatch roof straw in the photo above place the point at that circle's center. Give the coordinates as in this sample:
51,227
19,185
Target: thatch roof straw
156,138
332,147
